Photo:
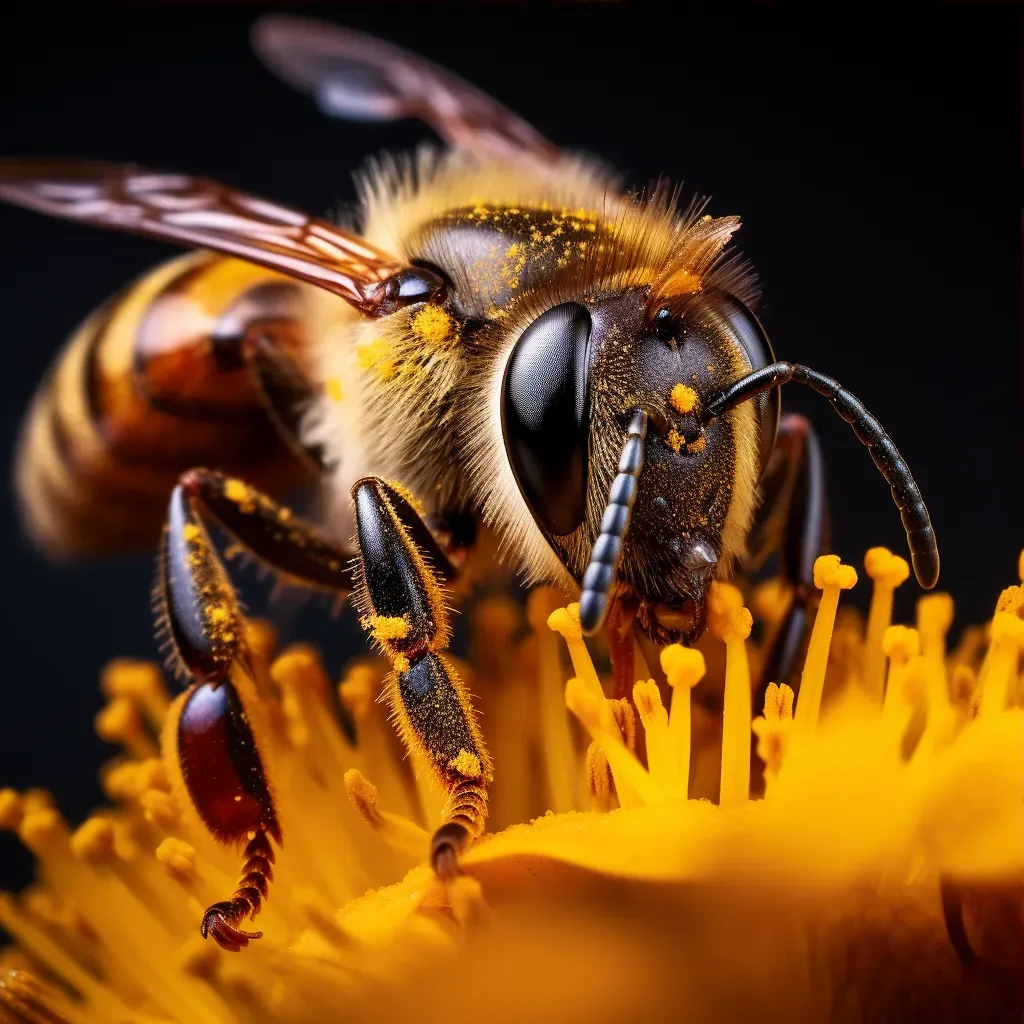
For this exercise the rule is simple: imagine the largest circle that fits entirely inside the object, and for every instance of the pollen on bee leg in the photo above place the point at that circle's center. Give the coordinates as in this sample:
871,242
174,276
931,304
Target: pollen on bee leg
632,782
395,830
384,628
830,576
684,669
887,572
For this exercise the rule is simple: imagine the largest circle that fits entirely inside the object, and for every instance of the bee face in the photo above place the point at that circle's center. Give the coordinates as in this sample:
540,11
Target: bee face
576,376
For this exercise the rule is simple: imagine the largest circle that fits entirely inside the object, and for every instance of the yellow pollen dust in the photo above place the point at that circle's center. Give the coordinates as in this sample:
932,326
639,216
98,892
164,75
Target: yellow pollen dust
387,627
684,399
333,388
675,440
682,282
466,763
240,493
376,356
191,532
432,324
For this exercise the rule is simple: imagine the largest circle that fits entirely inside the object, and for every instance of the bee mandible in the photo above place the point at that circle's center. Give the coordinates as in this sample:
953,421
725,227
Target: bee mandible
510,343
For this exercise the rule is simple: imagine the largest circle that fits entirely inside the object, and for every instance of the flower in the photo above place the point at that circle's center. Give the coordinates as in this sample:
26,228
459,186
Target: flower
880,877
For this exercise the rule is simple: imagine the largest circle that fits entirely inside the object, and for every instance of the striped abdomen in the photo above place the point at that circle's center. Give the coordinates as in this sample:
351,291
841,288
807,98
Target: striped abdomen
153,383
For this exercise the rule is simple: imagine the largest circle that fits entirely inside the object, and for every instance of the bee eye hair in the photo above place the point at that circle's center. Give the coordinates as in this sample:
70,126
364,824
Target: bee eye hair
545,413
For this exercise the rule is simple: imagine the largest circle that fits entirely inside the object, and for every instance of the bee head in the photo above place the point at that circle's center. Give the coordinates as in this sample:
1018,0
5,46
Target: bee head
597,390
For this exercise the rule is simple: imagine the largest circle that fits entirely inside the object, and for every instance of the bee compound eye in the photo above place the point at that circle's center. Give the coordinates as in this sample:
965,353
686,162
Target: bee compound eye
748,337
544,416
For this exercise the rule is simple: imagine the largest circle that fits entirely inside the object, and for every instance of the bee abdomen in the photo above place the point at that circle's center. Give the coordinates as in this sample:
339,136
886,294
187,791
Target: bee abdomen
150,385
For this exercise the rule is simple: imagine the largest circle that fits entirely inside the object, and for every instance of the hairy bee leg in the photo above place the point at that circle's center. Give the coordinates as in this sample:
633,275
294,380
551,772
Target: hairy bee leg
280,540
795,491
405,612
216,750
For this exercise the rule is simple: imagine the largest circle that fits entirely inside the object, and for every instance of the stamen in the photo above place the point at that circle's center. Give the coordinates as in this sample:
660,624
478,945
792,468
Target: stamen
830,576
661,758
93,841
10,809
557,750
45,950
510,702
962,687
731,623
395,830
1001,672
908,689
900,644
376,753
632,783
120,722
178,859
684,669
160,809
566,621
887,572
773,730
140,682
768,603
934,617
600,783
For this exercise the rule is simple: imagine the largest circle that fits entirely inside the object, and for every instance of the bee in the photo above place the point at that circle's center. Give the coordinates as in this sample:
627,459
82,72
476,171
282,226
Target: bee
510,344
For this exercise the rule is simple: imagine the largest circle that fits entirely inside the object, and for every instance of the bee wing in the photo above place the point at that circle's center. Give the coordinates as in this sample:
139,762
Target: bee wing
355,76
202,213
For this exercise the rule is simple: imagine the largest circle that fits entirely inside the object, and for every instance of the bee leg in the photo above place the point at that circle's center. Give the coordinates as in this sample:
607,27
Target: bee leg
220,763
797,525
214,744
405,612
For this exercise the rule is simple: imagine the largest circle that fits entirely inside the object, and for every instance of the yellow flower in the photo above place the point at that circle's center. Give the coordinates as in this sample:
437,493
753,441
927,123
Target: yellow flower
881,876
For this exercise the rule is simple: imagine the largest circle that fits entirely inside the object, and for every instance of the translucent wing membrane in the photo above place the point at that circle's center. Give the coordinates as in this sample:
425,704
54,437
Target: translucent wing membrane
203,213
355,76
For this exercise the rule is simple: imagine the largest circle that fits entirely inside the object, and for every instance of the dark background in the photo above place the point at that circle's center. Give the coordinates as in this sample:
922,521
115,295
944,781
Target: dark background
876,166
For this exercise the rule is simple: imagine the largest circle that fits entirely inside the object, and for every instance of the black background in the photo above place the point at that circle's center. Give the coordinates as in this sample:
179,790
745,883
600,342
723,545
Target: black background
876,166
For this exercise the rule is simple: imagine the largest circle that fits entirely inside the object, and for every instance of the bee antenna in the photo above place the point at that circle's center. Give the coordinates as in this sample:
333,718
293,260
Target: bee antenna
599,579
924,552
